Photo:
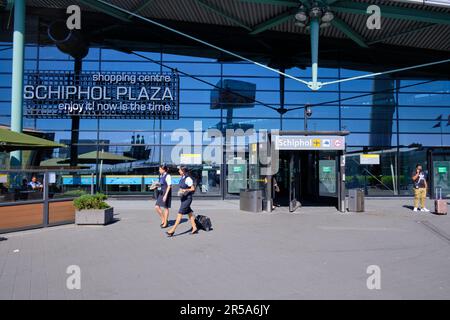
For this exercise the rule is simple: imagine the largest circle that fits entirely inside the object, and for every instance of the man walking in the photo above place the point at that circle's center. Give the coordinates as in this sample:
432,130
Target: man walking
420,188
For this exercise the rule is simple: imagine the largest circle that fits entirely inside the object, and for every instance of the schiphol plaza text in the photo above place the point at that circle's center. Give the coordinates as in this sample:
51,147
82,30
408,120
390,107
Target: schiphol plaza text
112,93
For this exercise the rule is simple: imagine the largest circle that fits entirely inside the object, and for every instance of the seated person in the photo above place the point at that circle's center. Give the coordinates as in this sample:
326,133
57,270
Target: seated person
34,184
25,185
3,189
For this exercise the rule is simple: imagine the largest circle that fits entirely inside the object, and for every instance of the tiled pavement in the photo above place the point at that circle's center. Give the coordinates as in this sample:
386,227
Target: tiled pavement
314,253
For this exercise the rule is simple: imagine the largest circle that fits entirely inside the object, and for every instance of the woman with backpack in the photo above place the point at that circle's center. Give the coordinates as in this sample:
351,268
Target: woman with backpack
187,189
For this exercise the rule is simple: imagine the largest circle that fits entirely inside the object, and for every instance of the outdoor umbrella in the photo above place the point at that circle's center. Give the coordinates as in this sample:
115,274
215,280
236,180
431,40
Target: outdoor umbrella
103,157
53,162
11,141
58,163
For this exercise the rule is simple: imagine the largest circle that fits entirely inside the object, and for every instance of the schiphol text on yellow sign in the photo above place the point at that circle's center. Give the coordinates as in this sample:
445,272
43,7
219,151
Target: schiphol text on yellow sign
309,142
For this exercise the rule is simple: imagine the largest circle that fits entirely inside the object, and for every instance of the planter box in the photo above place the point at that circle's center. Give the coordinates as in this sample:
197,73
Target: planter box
99,217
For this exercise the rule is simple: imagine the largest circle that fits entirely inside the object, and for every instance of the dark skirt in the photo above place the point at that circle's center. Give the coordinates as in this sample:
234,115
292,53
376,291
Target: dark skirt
160,201
185,206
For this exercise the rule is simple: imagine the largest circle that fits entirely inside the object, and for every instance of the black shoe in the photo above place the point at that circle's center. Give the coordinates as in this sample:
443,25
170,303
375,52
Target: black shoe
194,232
164,226
170,234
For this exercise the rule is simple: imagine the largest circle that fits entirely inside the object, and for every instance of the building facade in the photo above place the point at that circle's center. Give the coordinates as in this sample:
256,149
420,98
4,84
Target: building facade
404,120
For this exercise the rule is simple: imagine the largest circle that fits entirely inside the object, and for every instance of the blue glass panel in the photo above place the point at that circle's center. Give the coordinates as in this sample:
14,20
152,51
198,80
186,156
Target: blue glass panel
195,68
423,113
424,99
418,86
425,139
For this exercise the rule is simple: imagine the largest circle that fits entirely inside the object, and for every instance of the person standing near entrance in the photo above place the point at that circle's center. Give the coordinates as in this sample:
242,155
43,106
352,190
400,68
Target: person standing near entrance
420,188
187,189
164,199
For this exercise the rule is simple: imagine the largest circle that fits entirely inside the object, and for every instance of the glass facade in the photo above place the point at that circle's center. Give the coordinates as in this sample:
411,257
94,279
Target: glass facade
405,121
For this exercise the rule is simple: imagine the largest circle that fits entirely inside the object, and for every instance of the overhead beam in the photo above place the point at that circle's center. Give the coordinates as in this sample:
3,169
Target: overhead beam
286,3
401,34
144,5
273,22
394,12
223,14
305,3
349,32
128,18
7,4
106,9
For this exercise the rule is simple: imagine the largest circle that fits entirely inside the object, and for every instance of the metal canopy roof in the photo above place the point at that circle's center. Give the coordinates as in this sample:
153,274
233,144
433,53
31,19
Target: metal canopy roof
264,29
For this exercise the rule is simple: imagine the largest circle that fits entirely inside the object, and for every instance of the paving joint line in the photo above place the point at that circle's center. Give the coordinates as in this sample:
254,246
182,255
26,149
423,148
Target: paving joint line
431,227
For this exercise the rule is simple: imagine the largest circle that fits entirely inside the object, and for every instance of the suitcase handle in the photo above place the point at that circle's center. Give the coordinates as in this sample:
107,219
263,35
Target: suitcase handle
438,193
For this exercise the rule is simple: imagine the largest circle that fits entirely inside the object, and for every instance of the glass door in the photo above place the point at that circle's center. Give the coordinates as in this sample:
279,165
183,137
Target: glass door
327,178
441,174
294,181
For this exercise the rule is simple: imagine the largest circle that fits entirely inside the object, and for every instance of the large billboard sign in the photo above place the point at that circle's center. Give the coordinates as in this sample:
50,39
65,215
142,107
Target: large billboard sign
92,94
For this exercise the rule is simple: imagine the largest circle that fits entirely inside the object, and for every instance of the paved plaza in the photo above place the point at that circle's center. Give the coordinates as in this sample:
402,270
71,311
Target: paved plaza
315,253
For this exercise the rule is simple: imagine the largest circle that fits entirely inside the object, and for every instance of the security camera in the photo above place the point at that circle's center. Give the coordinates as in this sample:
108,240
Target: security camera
308,112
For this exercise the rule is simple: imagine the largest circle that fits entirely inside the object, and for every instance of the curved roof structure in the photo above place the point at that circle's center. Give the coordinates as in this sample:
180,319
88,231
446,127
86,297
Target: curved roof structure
412,31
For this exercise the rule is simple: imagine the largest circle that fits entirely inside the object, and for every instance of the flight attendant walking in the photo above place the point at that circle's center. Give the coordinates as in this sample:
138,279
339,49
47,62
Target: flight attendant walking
164,199
187,189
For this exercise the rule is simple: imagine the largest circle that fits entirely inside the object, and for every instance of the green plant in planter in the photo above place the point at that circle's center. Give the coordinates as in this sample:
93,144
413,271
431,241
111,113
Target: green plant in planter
71,194
86,202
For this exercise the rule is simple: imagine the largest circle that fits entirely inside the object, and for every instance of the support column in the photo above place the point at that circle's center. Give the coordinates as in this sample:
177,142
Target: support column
75,135
341,183
315,26
17,76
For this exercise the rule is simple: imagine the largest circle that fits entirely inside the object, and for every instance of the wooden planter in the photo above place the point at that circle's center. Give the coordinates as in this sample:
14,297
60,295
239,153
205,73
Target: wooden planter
96,217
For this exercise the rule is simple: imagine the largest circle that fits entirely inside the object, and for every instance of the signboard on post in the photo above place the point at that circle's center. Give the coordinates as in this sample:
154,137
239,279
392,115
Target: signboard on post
369,159
92,94
309,142
191,158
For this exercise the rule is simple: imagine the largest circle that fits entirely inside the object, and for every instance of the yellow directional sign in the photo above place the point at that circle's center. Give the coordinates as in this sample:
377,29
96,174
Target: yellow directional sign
300,142
316,143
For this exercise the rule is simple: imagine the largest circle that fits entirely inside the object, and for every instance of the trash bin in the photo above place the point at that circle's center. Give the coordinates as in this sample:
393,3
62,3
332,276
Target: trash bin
356,200
251,200
266,205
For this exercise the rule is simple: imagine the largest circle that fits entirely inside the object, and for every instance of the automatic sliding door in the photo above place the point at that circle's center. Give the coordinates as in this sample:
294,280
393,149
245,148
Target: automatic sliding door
294,181
327,178
441,174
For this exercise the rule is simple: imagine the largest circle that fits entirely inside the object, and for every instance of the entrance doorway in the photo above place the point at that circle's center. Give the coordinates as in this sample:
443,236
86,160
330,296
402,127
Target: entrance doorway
308,178
440,172
311,169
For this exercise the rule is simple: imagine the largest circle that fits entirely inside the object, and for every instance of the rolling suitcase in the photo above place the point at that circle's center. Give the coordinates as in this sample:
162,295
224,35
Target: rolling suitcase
440,205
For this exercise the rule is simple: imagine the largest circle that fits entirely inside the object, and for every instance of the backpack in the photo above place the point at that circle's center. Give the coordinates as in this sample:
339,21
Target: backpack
203,223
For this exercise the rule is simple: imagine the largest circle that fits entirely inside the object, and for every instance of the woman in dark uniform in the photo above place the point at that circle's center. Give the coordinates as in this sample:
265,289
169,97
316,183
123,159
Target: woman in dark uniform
164,199
187,188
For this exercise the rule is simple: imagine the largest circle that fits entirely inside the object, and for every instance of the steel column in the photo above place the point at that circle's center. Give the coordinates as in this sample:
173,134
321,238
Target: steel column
17,75
75,132
314,85
45,198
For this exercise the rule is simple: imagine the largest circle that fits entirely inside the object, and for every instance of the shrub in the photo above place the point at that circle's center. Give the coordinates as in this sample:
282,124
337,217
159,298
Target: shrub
71,194
387,181
87,201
